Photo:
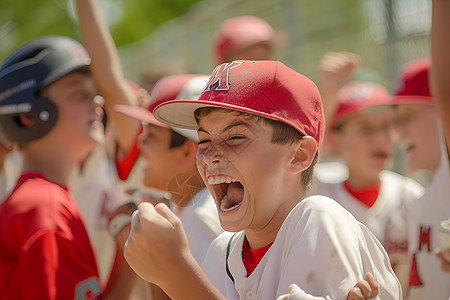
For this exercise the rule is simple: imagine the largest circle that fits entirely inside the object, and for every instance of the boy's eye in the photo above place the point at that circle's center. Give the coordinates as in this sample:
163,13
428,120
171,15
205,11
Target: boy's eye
203,142
82,95
236,138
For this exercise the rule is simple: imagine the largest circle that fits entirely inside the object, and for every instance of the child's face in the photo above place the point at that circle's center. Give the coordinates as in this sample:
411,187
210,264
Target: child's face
365,142
244,171
154,143
418,136
79,125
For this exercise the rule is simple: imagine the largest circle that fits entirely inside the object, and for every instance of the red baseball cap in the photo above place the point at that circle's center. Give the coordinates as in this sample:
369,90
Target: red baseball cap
264,88
357,96
240,32
167,88
412,86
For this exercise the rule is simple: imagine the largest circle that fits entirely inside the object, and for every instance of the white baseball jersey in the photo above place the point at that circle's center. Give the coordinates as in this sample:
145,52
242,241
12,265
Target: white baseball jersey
97,192
387,218
320,247
427,281
200,222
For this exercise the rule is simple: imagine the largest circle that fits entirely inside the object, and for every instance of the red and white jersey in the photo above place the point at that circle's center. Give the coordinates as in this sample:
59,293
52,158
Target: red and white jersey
320,247
45,251
387,218
200,222
427,281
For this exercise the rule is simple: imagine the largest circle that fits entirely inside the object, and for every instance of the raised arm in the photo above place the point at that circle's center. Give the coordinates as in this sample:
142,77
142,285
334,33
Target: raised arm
107,70
440,49
336,69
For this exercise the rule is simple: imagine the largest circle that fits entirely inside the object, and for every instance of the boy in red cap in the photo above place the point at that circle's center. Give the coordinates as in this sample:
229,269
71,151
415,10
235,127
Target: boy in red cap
360,132
260,127
422,137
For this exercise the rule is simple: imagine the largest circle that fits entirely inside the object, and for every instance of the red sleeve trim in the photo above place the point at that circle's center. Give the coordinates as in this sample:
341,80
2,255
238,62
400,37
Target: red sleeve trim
125,164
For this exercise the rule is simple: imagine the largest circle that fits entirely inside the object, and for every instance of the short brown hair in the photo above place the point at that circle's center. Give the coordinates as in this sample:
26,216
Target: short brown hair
282,134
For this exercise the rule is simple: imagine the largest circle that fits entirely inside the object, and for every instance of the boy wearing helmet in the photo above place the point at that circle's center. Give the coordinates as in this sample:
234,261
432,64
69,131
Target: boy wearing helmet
48,107
260,127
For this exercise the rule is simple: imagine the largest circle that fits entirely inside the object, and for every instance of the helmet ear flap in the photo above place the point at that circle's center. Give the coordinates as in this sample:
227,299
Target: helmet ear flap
45,115
30,124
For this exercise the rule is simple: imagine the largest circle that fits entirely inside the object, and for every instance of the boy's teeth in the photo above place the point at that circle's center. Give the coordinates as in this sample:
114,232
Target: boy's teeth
220,179
223,204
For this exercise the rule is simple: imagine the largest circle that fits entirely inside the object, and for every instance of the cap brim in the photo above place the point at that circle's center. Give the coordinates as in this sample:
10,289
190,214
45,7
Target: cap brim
143,115
180,113
139,113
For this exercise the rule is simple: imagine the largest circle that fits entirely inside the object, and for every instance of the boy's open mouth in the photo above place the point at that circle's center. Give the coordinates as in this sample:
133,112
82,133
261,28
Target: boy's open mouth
229,191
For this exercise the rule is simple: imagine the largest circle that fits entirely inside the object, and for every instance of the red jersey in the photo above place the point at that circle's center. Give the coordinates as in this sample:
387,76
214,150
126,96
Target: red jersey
45,251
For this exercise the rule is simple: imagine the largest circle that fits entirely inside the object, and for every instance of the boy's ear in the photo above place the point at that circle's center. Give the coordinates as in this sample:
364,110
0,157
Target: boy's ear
304,155
188,152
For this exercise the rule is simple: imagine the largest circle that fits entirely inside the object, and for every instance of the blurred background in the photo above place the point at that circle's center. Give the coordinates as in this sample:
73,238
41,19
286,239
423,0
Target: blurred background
386,33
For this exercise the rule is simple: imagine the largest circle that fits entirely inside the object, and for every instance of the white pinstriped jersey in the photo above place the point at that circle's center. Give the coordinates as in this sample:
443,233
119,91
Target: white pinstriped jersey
387,218
320,247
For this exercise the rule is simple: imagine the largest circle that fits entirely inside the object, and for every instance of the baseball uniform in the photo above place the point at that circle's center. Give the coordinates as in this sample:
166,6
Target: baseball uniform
45,252
320,247
427,280
387,218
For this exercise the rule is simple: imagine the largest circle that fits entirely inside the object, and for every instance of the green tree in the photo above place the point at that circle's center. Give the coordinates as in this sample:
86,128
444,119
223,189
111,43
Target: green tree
129,20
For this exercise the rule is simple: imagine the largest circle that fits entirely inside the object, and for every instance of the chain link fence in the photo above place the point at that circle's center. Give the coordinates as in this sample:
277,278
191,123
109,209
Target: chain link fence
385,33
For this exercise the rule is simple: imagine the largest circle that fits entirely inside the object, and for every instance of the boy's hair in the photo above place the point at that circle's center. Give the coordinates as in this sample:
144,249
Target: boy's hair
176,139
282,134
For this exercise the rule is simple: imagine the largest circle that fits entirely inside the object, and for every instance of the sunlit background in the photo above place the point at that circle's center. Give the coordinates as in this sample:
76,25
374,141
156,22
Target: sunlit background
386,33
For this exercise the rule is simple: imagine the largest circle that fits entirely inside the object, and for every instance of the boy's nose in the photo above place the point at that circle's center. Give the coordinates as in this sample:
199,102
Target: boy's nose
212,155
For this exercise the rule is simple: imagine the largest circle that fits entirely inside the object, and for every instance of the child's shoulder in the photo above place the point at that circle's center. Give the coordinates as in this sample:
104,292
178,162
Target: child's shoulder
222,240
401,184
318,203
315,211
36,195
